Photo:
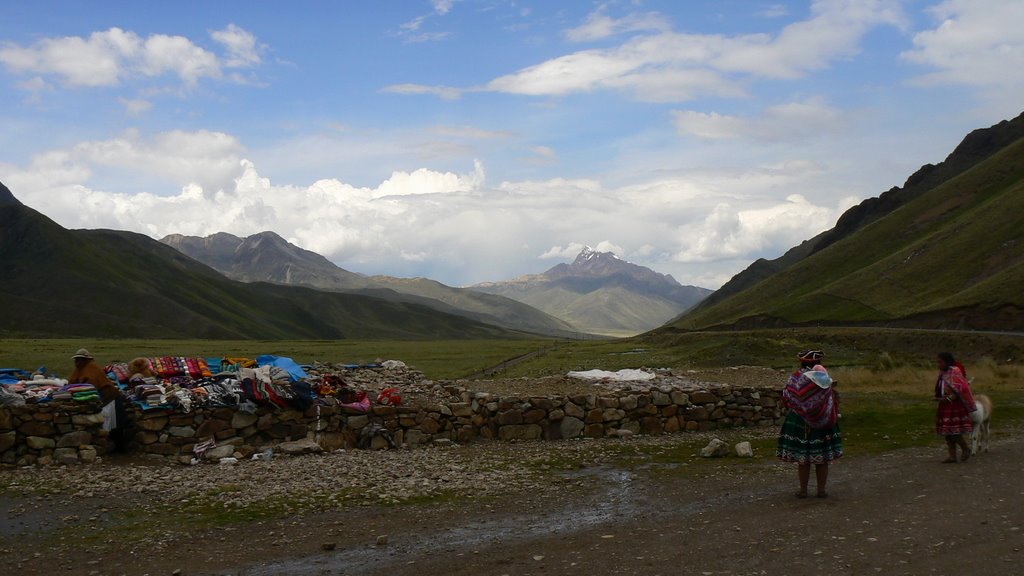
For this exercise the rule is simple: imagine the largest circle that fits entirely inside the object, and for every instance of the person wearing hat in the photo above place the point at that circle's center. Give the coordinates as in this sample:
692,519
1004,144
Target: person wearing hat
87,371
810,432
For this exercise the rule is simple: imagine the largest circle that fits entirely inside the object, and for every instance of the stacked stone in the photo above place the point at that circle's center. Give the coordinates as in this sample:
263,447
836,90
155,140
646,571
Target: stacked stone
51,433
67,433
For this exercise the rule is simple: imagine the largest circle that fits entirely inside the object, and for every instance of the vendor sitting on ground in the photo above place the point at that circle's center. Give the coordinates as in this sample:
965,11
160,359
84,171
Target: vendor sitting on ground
87,371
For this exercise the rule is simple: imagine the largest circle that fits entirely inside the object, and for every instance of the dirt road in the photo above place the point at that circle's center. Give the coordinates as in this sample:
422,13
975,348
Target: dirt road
898,513
901,513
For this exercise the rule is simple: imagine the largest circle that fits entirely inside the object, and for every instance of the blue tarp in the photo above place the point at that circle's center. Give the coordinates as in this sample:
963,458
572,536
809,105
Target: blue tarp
287,364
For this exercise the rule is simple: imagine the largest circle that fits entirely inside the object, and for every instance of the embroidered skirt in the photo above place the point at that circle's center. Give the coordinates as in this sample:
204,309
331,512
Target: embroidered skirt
801,444
953,418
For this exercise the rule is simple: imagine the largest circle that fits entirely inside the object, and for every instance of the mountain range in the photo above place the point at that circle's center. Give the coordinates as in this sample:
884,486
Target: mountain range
602,294
110,284
267,257
945,250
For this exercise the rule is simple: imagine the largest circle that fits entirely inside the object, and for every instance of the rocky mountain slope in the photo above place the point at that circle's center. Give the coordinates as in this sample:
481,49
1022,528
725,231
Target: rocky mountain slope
267,257
601,293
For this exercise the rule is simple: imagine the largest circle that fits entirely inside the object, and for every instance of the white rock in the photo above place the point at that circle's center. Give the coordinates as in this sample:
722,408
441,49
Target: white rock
715,449
744,450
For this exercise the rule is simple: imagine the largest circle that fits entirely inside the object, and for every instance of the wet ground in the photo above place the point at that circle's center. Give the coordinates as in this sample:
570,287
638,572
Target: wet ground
897,513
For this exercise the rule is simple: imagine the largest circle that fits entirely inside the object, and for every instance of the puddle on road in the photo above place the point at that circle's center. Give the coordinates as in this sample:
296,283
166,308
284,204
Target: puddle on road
616,500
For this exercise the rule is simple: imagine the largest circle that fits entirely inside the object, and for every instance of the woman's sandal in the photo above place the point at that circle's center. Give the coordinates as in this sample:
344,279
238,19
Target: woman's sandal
967,455
822,494
949,461
801,495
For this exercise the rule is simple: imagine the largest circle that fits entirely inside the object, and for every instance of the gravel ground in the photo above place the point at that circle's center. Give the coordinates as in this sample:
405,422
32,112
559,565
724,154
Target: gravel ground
637,506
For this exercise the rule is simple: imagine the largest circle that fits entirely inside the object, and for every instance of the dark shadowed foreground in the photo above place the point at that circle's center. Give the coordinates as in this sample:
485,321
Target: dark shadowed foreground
896,513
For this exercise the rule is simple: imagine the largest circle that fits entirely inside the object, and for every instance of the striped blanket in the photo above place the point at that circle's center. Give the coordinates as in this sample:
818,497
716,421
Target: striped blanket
818,406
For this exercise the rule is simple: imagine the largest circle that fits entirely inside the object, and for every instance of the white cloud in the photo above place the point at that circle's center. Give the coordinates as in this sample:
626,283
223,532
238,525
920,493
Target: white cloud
976,43
110,57
671,66
448,225
445,92
242,48
542,155
598,25
733,232
442,7
566,252
469,132
791,121
135,106
573,249
773,11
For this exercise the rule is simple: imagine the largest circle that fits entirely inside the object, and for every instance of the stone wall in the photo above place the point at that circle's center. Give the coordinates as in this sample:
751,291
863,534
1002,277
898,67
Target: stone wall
69,433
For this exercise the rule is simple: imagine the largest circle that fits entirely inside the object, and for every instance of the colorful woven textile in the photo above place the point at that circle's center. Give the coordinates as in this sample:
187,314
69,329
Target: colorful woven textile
817,406
953,416
802,444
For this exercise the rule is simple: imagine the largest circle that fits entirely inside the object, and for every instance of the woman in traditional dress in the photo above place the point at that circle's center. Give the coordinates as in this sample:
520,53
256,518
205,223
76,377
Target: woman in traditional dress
810,433
956,402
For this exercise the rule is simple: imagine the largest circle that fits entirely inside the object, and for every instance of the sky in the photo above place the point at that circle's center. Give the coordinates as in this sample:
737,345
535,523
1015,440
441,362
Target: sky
479,140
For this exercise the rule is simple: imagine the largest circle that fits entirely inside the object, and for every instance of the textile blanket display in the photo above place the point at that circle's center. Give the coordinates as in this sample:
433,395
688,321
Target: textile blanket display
183,384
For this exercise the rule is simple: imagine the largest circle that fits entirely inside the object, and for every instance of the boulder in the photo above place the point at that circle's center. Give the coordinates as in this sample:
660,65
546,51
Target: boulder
153,424
39,443
87,454
7,440
304,446
219,452
510,417
75,439
242,420
211,427
680,398
6,419
534,416
574,410
87,419
715,449
520,432
628,402
358,422
571,427
182,431
744,450
36,428
703,398
66,455
659,398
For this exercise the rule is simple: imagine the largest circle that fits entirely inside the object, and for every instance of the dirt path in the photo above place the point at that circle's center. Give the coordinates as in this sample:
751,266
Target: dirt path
899,513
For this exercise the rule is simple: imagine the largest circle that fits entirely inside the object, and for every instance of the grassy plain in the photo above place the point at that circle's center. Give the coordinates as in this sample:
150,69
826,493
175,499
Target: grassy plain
437,359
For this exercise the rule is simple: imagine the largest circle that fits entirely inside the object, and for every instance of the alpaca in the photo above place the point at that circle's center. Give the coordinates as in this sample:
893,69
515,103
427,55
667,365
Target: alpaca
981,417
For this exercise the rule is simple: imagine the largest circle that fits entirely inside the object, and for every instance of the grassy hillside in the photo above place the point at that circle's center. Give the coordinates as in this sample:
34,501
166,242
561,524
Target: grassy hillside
976,147
951,257
611,311
488,308
116,284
